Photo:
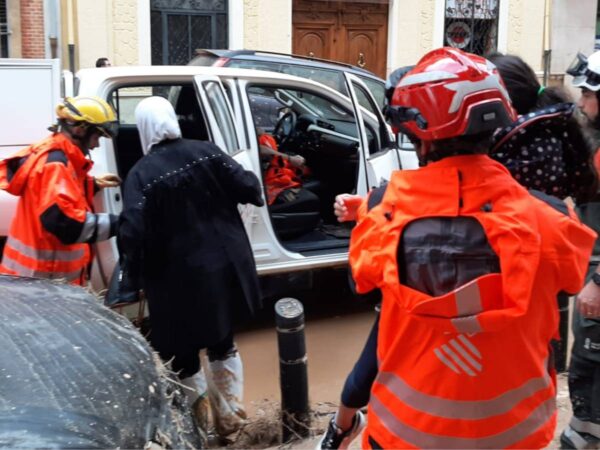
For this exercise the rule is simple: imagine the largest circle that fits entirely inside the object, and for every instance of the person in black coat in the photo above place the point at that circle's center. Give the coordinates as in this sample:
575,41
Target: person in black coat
181,236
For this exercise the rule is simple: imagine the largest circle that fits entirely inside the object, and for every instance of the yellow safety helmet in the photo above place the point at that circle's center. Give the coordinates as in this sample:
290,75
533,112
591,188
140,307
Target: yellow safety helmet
91,110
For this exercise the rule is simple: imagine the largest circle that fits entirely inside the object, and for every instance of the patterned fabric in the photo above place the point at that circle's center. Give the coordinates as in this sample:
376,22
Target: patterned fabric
545,150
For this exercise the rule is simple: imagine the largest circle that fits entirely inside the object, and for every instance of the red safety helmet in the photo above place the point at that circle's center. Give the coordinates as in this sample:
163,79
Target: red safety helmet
450,93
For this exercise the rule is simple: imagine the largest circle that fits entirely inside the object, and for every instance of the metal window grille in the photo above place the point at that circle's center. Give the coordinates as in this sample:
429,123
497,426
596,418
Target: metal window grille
4,33
472,25
179,27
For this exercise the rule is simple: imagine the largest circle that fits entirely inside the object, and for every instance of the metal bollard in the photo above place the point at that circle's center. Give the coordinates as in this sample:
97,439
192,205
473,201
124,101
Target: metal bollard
295,413
560,348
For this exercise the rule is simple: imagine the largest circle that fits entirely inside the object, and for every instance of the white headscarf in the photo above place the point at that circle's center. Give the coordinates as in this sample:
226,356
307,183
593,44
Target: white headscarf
156,121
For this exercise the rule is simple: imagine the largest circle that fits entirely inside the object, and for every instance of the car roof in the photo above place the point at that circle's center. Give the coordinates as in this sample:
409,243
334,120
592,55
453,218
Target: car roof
260,55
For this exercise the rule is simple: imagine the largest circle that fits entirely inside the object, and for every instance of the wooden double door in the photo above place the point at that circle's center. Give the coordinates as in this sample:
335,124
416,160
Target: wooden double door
346,31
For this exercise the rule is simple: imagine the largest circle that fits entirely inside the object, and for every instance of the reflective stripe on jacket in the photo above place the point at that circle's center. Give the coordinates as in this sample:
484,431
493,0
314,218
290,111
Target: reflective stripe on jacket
54,220
468,368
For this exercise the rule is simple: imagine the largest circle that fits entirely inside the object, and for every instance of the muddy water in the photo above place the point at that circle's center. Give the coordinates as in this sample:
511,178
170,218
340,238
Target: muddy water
333,345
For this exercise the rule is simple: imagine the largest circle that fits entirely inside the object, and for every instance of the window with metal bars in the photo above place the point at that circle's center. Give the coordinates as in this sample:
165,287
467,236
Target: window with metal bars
179,27
3,30
472,25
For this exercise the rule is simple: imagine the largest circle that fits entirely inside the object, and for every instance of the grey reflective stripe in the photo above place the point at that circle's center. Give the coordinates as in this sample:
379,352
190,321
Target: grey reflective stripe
468,300
44,255
103,227
468,325
585,427
418,438
445,360
460,409
426,77
465,355
468,343
89,226
23,271
459,362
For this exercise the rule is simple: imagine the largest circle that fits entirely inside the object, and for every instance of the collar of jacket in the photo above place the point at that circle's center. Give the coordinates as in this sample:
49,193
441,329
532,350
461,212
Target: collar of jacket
75,155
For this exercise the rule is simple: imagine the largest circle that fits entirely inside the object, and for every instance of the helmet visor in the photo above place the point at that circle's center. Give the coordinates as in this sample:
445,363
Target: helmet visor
578,67
108,129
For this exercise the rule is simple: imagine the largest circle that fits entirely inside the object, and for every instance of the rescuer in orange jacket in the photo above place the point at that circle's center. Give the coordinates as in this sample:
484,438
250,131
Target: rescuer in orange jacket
469,264
55,222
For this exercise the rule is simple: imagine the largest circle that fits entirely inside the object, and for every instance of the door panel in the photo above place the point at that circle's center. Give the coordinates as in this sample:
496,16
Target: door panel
313,41
224,133
342,31
380,157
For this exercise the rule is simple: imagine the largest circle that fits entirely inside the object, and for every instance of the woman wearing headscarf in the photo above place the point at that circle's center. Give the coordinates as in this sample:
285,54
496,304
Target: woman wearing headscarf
183,239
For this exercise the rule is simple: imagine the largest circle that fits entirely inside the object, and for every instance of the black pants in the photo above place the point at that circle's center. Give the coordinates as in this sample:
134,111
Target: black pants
584,388
187,364
357,387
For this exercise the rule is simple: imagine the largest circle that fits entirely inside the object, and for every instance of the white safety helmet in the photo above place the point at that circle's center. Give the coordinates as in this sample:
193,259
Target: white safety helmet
586,71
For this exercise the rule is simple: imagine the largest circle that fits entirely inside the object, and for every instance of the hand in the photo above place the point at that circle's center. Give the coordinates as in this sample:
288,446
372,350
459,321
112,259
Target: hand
588,301
296,161
346,206
107,180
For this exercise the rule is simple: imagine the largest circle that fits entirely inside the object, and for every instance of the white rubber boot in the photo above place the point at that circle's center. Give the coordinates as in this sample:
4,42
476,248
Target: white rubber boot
196,391
225,391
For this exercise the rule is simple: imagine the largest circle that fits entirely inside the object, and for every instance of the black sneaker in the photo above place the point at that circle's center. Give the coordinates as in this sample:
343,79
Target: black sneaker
335,438
572,440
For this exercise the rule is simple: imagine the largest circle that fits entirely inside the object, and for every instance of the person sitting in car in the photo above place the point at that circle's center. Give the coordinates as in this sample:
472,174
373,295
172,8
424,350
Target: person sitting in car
283,174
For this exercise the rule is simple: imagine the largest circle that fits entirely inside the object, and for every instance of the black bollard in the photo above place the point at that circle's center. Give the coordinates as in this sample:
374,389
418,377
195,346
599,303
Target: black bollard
560,347
293,378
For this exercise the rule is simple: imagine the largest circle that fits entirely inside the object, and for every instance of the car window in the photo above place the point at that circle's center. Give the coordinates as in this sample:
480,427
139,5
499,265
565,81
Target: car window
124,99
332,78
219,107
377,90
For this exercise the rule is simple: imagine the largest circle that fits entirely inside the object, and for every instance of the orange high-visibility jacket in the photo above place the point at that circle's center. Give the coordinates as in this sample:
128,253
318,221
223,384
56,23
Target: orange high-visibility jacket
470,368
280,174
54,220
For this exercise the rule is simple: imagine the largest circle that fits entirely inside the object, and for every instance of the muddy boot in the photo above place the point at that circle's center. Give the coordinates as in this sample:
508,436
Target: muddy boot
225,391
197,396
574,439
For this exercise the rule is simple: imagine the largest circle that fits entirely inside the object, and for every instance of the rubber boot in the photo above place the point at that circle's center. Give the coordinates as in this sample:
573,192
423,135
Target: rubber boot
196,391
225,391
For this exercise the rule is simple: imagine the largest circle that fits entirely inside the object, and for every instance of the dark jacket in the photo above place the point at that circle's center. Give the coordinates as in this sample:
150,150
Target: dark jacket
182,237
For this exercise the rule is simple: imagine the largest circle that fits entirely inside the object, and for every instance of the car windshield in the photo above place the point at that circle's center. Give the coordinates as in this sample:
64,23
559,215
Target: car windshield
319,106
329,77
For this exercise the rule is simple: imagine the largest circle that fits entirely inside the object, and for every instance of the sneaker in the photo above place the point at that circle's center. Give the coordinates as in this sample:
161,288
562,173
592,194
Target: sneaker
571,439
334,437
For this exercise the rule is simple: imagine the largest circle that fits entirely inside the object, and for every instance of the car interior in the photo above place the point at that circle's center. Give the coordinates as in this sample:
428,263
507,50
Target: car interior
325,134
322,132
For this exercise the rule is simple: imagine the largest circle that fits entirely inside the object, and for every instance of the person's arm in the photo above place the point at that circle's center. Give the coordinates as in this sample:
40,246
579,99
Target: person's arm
242,185
295,160
60,210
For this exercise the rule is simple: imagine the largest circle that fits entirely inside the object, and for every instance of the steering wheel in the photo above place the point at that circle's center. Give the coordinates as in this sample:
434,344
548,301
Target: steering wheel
285,127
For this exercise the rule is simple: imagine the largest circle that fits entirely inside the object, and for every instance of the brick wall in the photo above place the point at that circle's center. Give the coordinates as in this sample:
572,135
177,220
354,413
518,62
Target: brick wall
32,29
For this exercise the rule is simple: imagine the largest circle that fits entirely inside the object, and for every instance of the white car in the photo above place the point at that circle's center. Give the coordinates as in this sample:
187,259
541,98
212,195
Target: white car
348,148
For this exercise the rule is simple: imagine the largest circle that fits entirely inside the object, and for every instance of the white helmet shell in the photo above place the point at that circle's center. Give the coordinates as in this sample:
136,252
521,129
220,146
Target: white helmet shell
590,78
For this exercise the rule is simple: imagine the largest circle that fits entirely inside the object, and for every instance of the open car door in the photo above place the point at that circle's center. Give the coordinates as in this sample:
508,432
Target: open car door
381,155
223,132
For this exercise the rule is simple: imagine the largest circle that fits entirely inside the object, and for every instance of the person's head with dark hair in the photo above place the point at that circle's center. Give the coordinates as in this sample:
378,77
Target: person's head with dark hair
451,102
526,92
103,62
545,149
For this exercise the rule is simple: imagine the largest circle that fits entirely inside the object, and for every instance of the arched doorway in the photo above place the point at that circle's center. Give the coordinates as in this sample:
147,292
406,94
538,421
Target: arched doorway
343,30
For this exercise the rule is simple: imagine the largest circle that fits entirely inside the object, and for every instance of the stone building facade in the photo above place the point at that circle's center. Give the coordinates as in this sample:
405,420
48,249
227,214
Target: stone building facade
141,31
